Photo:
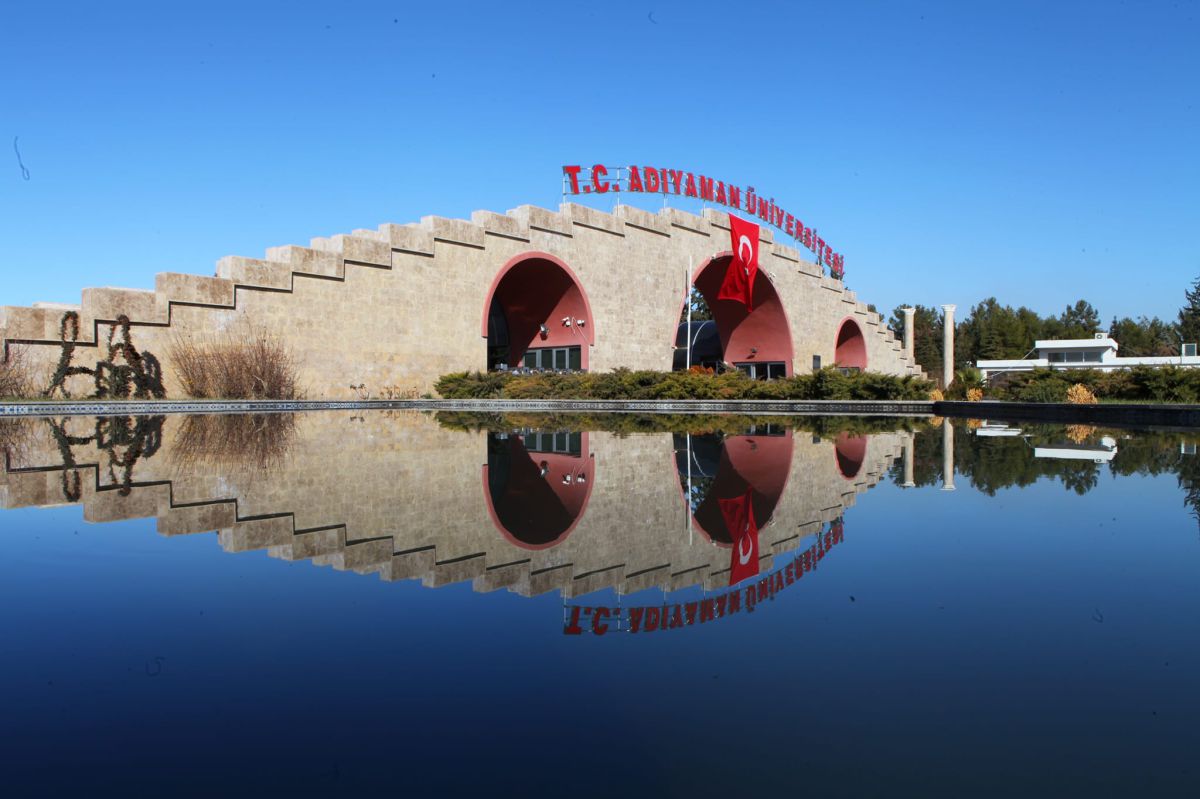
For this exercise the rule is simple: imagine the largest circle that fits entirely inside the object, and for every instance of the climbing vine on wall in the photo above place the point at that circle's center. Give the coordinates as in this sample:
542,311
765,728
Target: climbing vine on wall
124,439
124,373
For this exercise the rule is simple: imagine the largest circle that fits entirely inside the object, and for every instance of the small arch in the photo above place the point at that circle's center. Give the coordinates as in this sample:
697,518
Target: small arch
536,301
850,451
850,351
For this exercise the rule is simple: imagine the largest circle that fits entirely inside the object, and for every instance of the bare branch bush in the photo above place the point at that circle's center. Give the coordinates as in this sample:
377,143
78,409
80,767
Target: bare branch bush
251,364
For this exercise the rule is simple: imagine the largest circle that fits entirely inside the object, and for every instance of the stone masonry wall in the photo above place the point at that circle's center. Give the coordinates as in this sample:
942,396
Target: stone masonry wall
404,304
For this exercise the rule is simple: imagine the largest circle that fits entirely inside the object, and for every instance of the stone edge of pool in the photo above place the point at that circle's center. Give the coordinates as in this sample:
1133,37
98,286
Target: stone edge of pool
1155,414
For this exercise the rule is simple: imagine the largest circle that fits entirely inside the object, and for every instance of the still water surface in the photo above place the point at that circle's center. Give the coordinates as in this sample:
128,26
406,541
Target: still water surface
333,602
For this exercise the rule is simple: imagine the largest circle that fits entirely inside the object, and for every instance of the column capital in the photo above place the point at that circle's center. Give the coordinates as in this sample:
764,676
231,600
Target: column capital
949,308
908,310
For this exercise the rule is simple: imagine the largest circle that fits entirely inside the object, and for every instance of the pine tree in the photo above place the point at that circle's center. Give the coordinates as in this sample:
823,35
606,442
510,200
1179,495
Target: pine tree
1189,314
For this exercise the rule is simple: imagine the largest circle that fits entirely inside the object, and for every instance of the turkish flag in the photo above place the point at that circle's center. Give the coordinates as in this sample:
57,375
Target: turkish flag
739,519
739,277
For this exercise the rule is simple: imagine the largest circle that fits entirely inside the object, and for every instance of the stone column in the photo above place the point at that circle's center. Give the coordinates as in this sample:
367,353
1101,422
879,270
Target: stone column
947,345
909,442
947,454
908,332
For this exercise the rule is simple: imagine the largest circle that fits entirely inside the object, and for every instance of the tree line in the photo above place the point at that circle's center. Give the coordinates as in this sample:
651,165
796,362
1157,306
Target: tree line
991,331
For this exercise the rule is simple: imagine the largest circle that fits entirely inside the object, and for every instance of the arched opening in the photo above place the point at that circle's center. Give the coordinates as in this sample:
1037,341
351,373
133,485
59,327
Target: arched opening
851,350
712,468
850,452
757,342
537,485
537,316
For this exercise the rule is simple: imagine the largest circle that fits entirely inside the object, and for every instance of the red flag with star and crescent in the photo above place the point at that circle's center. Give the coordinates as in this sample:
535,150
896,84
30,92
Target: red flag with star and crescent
739,277
739,520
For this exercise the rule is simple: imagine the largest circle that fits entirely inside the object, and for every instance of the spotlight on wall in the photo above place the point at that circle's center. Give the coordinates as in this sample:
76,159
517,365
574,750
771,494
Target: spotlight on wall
545,331
566,321
581,322
754,350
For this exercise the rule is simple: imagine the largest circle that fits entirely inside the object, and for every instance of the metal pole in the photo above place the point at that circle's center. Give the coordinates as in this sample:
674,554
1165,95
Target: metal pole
687,504
687,294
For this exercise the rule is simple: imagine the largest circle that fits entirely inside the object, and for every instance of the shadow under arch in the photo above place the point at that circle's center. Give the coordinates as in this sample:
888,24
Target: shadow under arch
850,349
849,451
724,468
536,302
537,494
759,337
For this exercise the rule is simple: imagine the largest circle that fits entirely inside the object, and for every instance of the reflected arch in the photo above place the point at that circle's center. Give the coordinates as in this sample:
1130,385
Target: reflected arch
537,485
758,342
724,468
850,350
849,451
537,314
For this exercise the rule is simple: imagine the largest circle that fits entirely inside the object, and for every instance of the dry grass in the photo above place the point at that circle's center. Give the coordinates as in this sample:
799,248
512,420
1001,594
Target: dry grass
235,441
974,394
16,378
936,395
1080,394
251,364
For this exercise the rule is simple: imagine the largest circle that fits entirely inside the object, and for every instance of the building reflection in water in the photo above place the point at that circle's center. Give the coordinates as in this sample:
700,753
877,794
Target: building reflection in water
512,506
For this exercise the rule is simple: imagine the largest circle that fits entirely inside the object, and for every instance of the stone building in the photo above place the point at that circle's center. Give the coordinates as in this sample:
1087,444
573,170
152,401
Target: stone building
394,308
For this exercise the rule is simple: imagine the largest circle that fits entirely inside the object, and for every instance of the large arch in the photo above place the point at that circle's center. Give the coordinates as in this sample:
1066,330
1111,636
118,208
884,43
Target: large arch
536,302
537,485
850,351
757,340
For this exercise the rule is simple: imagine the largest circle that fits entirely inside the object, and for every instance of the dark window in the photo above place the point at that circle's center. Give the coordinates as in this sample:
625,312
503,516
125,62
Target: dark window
560,359
776,371
816,363
575,362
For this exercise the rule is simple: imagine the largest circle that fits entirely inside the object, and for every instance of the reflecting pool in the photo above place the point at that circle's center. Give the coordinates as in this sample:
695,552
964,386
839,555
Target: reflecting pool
331,602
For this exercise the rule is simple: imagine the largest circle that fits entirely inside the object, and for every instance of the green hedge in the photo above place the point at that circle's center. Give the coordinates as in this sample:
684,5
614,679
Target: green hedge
1141,383
827,383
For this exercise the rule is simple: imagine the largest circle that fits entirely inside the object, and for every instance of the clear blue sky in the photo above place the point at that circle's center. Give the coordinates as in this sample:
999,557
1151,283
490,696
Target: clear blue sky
1034,151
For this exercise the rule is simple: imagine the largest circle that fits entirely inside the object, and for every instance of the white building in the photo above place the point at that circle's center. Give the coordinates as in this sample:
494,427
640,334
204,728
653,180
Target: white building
1084,353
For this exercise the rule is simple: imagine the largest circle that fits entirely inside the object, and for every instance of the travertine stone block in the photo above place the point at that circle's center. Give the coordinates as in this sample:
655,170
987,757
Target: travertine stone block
454,231
408,238
536,218
193,289
254,272
636,217
501,225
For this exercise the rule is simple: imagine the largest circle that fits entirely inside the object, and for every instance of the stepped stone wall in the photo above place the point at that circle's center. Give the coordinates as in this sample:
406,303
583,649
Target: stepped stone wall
403,304
395,494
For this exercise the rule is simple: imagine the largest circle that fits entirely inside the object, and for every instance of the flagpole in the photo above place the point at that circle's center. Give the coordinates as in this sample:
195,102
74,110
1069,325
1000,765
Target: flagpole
687,298
687,503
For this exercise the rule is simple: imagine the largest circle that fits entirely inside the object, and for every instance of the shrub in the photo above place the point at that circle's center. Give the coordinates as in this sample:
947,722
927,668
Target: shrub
251,365
1079,394
974,394
694,384
15,378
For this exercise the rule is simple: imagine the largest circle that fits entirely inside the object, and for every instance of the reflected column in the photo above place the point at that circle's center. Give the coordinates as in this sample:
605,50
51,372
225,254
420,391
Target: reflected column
947,455
909,443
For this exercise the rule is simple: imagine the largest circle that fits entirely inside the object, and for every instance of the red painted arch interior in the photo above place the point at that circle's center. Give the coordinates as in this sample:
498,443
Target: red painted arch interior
536,289
851,350
850,452
760,335
760,463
